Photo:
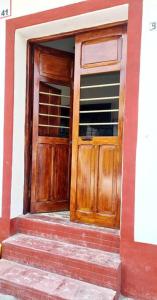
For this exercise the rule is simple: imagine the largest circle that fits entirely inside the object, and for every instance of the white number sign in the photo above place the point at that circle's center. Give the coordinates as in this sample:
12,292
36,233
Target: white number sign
5,8
153,26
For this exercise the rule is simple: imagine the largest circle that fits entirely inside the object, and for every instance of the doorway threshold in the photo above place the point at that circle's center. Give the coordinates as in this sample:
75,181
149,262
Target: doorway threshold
63,218
59,214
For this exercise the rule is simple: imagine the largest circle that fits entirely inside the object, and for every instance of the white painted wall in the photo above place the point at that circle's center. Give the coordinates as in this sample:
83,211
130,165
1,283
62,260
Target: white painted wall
146,163
25,7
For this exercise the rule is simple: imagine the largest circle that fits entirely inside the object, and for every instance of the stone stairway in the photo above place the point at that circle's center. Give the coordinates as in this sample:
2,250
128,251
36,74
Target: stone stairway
50,257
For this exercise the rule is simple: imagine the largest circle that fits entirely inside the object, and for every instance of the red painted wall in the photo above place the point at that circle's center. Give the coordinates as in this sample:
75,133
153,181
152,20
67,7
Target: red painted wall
139,267
139,270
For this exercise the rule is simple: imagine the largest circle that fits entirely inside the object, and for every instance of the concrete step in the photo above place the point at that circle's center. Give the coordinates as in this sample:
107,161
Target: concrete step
59,228
82,263
28,283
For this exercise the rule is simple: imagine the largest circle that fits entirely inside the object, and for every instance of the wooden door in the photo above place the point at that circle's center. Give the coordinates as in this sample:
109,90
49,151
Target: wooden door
98,126
51,130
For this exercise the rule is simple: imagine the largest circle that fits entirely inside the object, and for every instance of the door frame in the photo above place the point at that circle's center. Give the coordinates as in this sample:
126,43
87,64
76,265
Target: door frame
29,104
29,124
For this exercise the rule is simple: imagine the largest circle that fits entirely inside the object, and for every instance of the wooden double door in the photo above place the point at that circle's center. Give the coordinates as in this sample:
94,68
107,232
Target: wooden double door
78,126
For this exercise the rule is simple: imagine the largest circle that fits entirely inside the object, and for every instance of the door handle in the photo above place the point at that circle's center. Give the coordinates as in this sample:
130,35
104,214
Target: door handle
87,138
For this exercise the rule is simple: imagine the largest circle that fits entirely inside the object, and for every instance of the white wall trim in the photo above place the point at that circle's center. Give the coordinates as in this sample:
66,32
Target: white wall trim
17,187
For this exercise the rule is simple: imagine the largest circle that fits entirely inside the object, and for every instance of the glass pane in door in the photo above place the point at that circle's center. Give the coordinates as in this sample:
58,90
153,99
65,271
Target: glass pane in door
54,110
99,104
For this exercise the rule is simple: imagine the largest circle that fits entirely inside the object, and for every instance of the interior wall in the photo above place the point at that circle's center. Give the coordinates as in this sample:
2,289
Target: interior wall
67,44
65,90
